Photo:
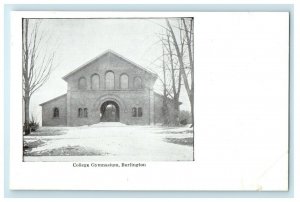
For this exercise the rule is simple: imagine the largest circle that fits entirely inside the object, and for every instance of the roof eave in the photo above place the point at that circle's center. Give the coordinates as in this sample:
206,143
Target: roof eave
102,54
52,99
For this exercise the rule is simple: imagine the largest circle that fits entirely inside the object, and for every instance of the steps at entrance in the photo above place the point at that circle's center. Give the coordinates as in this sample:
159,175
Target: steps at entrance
108,124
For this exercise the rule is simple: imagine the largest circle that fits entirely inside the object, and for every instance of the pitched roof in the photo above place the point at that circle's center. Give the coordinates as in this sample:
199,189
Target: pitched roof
53,99
102,54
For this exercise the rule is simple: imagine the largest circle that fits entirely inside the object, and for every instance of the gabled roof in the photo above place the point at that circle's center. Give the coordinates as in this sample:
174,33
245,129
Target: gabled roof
53,99
102,54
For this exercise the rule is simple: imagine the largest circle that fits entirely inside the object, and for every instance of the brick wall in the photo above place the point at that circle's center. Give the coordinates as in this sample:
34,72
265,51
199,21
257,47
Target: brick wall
47,112
126,98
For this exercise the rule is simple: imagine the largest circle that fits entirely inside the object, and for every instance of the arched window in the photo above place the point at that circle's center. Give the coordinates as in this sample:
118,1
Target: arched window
55,112
124,81
137,83
109,80
82,83
85,112
79,112
134,112
140,112
95,81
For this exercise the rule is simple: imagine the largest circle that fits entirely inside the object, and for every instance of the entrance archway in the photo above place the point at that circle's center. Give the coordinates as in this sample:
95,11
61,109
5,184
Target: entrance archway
109,112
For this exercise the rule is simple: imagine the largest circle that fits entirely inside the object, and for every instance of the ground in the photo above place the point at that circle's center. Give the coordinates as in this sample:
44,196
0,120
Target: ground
110,142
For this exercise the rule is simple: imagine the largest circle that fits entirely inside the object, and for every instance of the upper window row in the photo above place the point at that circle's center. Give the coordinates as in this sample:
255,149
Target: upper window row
109,82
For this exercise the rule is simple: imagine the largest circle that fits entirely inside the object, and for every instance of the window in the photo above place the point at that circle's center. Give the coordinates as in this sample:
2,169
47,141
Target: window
133,112
137,112
95,81
140,112
79,112
85,112
82,112
82,83
109,80
124,81
137,83
55,112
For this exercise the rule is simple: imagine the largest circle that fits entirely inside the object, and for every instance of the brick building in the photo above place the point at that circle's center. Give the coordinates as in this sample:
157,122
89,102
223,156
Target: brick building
108,88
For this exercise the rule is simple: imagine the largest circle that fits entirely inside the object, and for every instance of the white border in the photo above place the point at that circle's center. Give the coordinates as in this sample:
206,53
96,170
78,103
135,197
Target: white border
204,173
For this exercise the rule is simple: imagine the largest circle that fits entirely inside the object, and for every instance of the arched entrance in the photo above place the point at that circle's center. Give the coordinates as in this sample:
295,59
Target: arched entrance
109,112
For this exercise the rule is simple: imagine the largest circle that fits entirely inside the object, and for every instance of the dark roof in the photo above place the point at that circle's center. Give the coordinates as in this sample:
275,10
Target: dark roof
102,54
53,99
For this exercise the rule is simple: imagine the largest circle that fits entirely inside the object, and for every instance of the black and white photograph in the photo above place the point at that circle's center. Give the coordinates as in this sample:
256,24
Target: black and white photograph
108,89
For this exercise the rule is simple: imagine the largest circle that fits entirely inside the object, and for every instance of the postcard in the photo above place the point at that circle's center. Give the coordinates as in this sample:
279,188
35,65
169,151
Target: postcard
149,101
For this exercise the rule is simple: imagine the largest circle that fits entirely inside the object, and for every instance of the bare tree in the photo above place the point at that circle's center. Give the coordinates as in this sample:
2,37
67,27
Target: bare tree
36,67
165,110
176,80
190,45
184,66
171,81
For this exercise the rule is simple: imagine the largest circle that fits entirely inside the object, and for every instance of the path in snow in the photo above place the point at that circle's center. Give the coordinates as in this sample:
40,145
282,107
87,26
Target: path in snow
118,142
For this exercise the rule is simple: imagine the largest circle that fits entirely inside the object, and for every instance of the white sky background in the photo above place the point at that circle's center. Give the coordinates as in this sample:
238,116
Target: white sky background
76,41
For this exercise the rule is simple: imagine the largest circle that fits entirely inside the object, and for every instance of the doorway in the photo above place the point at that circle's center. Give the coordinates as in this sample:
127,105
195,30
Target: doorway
109,112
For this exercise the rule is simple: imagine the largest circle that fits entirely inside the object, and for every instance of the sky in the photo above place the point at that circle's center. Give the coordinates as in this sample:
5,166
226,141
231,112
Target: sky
76,41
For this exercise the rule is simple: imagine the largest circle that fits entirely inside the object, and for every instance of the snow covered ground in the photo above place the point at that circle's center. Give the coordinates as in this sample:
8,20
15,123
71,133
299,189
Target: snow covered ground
110,142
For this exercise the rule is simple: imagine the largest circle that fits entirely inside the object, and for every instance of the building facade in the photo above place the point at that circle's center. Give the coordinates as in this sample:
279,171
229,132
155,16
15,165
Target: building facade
109,88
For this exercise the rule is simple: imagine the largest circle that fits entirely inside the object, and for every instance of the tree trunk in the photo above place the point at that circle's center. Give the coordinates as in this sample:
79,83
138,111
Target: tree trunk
26,122
191,59
165,105
165,112
176,110
192,109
